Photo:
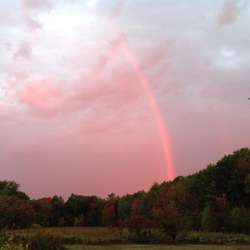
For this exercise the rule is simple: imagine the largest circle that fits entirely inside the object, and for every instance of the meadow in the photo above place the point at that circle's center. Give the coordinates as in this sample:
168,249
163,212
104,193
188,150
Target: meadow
109,236
160,247
103,238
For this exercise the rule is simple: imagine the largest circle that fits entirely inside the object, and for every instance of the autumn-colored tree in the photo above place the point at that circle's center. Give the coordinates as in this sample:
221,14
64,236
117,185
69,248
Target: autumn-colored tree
139,227
214,199
15,213
168,220
109,215
42,209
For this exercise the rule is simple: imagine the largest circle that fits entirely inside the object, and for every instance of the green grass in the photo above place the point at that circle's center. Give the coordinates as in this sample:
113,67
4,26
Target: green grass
91,232
148,247
80,236
72,235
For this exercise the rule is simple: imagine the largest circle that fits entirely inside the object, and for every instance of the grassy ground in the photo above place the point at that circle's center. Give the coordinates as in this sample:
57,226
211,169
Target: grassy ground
94,232
181,247
72,235
91,232
80,236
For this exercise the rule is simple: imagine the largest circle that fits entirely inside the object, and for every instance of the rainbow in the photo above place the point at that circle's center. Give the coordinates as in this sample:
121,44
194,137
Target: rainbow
122,44
164,137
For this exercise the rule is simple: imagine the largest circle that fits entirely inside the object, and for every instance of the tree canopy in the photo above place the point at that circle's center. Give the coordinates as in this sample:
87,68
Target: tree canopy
214,199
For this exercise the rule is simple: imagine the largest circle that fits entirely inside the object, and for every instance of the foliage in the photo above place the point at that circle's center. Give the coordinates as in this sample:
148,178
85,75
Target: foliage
158,247
240,220
215,199
215,216
212,238
15,213
45,242
7,243
98,236
11,188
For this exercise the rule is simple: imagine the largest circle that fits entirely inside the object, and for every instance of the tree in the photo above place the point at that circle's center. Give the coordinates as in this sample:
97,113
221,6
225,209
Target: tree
214,199
94,212
110,213
247,184
83,210
57,211
15,213
139,227
42,209
124,207
11,188
168,220
215,216
240,220
75,210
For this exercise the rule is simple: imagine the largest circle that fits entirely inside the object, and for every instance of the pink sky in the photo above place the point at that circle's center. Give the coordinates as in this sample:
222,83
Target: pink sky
109,96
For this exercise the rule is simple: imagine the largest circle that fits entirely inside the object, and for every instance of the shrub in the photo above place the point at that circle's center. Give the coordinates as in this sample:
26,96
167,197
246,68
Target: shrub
45,242
11,246
7,243
36,226
240,220
212,238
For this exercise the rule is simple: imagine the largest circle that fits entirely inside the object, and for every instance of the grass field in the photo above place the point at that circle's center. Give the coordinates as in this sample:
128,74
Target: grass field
97,238
147,247
92,232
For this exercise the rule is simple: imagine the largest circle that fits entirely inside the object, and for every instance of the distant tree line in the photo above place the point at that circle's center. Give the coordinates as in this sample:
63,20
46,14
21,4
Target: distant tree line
216,199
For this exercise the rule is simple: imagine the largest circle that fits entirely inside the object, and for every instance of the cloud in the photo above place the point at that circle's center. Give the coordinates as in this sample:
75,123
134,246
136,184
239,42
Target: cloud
230,12
72,105
105,93
36,4
111,84
41,96
24,51
30,10
109,9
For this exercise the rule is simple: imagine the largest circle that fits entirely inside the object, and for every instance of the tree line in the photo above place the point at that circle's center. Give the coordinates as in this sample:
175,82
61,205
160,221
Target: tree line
215,199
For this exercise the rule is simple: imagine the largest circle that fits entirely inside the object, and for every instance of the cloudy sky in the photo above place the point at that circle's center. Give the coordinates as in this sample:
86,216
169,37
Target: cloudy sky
101,96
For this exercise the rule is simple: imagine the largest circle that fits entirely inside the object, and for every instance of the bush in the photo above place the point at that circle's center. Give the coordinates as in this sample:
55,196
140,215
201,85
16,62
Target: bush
7,243
36,226
212,238
11,246
45,242
240,220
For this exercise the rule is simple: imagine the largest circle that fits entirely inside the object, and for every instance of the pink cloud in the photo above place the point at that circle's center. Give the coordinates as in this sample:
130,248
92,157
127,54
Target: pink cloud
41,96
89,120
2,105
110,85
